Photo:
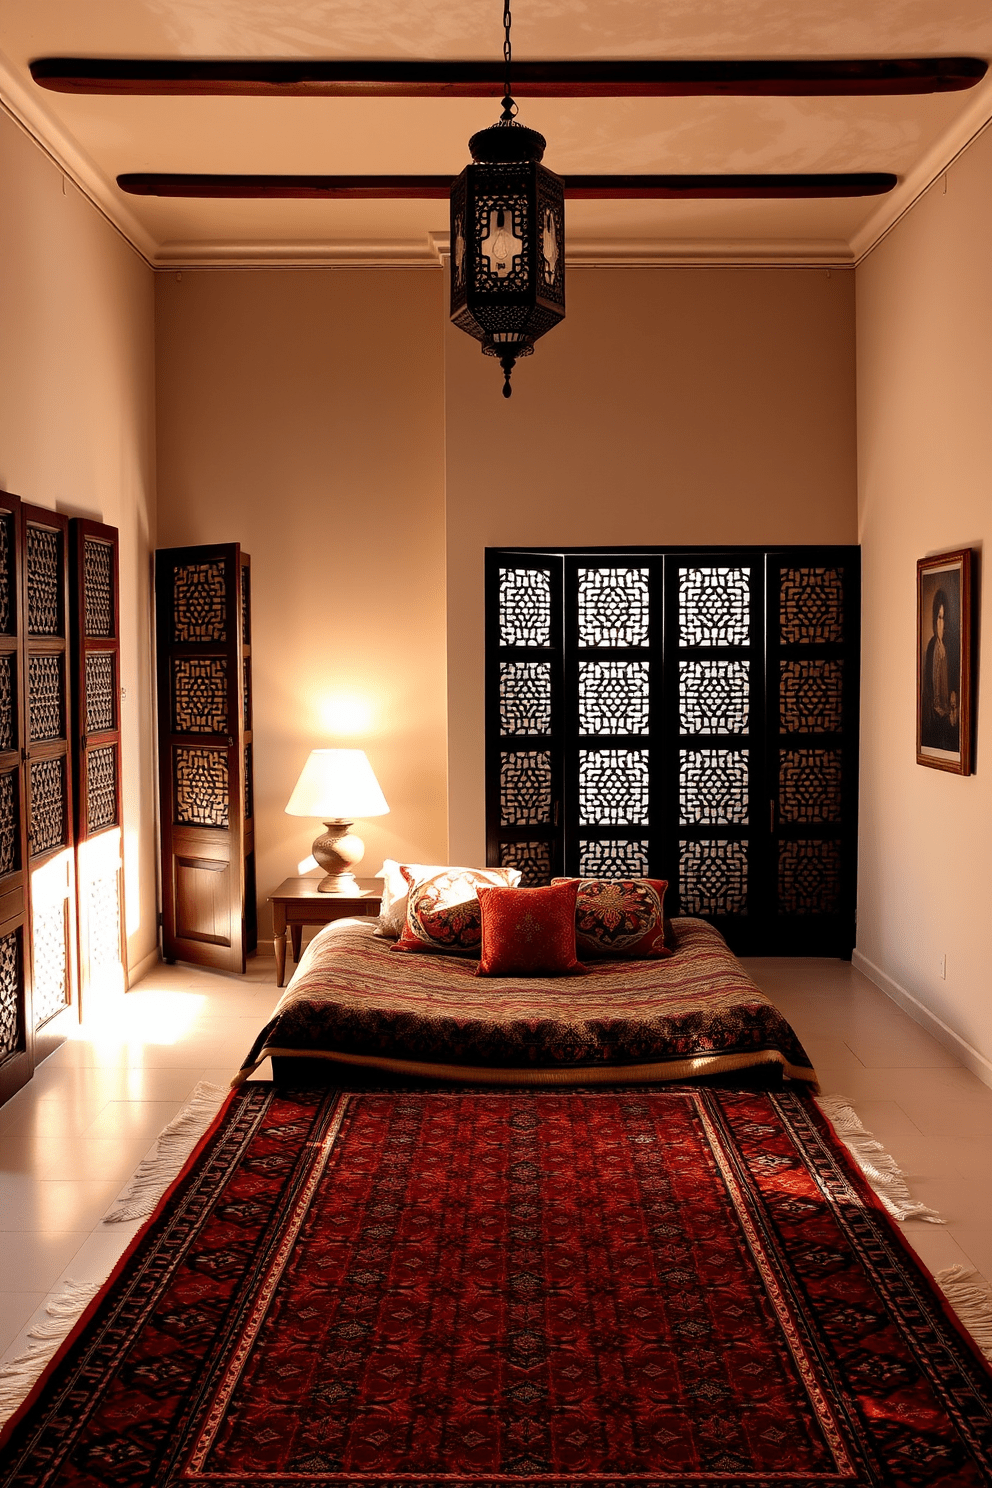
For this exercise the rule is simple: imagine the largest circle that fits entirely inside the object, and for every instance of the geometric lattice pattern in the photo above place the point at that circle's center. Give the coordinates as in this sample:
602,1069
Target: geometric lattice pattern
713,878
199,603
524,607
811,606
98,588
199,695
246,693
524,697
103,923
249,793
7,604
713,697
613,857
10,847
614,608
101,788
613,787
809,879
8,723
44,576
713,786
525,788
245,605
201,787
613,697
809,785
46,718
48,823
51,962
811,697
10,994
532,858
101,693
714,606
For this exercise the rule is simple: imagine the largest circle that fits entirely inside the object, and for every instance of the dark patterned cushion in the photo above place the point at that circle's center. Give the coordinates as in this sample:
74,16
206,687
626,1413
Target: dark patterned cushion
442,912
529,932
620,918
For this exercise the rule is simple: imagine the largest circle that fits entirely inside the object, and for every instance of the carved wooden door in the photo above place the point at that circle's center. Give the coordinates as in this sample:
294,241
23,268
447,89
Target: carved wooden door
94,593
203,630
16,1015
48,770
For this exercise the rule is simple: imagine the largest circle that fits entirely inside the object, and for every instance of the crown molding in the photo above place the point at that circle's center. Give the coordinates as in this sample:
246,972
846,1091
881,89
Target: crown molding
19,101
340,253
975,117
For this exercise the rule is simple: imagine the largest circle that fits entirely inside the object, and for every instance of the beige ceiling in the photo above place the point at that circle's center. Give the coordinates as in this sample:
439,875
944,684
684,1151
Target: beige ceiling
96,139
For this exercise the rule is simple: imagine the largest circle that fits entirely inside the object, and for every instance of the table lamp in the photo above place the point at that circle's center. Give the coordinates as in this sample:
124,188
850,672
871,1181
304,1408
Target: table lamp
337,785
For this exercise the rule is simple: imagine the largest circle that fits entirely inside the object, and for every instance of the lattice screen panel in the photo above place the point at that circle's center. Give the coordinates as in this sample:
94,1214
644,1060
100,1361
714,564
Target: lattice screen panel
532,858
8,693
614,857
809,877
245,605
7,586
614,787
524,697
246,694
714,606
525,788
11,1032
614,697
44,581
713,786
199,695
98,589
249,790
811,696
101,788
614,607
46,698
10,836
524,607
199,603
713,877
810,785
201,787
811,606
714,697
48,827
103,922
50,960
101,692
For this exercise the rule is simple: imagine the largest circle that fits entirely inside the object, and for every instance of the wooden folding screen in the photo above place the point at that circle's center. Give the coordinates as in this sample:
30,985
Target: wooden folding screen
16,1016
203,627
48,767
94,593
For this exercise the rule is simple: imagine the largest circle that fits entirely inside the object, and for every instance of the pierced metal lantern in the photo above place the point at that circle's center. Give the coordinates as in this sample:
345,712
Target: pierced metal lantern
507,243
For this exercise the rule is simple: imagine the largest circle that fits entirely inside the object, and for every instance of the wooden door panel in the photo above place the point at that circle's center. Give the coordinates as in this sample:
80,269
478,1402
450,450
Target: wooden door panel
16,1009
203,900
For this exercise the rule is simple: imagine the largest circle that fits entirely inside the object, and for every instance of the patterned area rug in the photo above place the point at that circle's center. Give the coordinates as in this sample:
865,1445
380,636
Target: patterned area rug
675,1287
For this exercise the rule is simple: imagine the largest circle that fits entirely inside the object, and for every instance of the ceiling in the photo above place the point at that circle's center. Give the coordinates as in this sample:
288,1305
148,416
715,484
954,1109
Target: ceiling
98,138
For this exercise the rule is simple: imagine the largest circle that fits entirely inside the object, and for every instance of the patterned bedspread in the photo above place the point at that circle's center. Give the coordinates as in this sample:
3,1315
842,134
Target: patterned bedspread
696,1012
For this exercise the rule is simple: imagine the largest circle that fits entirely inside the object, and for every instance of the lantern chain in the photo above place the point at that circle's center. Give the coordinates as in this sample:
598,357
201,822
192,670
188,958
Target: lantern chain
509,107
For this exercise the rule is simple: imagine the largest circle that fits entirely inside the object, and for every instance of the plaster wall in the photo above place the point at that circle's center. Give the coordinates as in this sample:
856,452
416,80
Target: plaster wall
672,406
924,306
300,413
77,431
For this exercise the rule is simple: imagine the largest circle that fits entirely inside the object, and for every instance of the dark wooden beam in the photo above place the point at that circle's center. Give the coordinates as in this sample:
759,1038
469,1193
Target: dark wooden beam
437,188
301,77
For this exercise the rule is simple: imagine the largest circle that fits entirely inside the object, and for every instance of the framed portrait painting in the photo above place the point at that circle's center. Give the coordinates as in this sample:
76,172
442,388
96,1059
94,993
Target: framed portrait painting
943,661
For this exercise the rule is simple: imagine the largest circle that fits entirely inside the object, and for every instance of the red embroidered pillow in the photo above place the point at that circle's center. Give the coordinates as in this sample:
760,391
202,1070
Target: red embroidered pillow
620,918
529,932
442,912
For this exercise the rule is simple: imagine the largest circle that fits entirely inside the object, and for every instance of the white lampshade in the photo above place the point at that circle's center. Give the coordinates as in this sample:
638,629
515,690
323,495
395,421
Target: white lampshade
337,785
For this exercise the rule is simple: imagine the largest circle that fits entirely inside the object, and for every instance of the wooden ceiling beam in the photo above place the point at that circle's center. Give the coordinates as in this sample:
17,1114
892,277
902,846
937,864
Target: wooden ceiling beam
304,78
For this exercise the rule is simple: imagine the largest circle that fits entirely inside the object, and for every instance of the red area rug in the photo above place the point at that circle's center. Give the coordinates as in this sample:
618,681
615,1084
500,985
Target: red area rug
671,1287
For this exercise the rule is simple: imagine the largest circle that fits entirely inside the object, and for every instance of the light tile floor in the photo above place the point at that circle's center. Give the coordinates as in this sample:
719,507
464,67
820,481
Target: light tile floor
70,1140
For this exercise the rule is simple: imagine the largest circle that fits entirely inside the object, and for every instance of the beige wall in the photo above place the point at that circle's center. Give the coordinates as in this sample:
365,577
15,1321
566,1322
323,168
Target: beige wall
77,430
672,406
300,413
924,399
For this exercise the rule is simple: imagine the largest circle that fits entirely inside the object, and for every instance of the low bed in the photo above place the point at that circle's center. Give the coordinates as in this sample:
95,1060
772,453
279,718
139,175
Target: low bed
354,1002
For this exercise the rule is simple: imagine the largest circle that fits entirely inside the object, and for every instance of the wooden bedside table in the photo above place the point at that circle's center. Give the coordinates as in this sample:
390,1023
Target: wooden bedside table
298,902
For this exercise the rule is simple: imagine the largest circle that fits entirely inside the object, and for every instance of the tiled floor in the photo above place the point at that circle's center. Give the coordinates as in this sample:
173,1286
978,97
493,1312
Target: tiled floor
70,1140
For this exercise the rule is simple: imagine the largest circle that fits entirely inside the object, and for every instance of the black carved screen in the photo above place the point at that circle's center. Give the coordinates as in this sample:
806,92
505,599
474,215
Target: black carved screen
708,733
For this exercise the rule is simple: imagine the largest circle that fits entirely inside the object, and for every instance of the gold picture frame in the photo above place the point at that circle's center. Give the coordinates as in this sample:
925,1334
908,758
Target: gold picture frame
943,661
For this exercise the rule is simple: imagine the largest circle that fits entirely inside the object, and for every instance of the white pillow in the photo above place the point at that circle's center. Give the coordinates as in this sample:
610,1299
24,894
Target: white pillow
392,911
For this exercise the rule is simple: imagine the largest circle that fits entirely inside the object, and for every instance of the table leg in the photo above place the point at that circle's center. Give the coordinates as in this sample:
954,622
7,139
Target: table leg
296,931
279,940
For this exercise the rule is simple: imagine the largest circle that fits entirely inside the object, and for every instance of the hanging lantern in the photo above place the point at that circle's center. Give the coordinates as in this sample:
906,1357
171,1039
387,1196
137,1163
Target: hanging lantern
507,239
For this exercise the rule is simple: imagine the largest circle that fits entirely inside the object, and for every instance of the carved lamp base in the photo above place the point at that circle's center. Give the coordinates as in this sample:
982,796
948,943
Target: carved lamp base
337,851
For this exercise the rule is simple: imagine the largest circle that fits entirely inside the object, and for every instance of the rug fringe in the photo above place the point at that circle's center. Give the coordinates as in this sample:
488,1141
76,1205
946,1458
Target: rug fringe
971,1297
878,1166
165,1162
18,1375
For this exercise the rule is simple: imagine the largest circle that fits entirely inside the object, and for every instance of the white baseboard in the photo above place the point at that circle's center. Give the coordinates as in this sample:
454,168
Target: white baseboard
143,967
959,1047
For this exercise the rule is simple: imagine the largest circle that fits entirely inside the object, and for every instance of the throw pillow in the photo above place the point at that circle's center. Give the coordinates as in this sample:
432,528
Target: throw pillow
442,911
620,918
392,908
529,932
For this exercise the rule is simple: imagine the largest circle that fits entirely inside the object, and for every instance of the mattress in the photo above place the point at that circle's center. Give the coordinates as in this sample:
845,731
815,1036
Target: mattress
697,1012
